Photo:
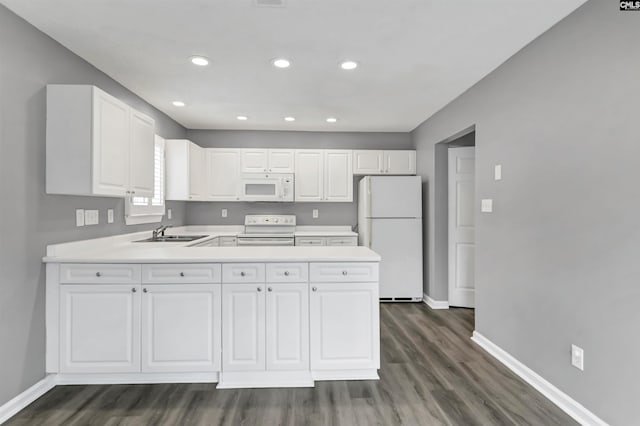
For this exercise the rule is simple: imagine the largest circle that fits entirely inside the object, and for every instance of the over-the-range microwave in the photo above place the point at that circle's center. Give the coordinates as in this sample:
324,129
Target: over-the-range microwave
276,187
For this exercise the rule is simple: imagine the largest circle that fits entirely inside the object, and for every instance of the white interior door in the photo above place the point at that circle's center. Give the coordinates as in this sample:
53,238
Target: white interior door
462,227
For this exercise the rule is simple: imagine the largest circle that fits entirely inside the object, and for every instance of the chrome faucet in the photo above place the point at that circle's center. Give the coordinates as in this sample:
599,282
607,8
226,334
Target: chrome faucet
159,231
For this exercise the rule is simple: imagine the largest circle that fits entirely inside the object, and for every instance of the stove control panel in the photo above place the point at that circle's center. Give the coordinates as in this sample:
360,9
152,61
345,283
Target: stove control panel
267,220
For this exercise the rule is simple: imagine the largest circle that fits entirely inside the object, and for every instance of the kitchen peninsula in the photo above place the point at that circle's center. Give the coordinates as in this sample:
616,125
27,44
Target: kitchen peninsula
124,311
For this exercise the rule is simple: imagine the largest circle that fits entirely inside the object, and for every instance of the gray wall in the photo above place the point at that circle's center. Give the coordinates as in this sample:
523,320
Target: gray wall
29,219
329,213
557,261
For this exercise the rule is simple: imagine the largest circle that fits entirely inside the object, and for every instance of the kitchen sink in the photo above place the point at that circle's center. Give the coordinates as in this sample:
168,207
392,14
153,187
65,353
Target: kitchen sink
172,239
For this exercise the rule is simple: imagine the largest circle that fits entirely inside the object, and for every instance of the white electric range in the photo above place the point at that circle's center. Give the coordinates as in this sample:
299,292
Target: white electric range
268,230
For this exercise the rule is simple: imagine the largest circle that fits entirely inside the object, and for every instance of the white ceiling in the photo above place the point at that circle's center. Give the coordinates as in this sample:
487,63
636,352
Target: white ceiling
415,55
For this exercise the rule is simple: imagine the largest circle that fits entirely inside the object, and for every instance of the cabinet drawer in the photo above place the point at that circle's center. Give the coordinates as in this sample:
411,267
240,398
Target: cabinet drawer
243,273
175,273
99,273
344,272
342,241
228,242
287,272
310,241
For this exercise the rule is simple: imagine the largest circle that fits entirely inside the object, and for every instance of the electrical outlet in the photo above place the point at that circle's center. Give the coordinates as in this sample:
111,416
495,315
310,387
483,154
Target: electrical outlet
497,172
224,212
487,205
109,215
577,357
91,217
169,214
315,213
79,217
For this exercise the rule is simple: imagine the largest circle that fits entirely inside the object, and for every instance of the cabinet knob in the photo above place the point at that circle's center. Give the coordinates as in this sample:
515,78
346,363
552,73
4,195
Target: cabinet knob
98,274
286,273
314,288
242,274
182,274
344,272
269,289
259,288
144,290
134,290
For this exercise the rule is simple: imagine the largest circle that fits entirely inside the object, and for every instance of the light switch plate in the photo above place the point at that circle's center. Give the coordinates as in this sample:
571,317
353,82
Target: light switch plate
169,214
497,172
577,357
487,205
109,215
91,217
79,217
224,212
315,213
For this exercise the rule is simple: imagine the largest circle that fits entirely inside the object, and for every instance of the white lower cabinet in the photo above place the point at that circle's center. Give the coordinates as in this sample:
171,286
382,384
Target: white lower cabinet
243,327
100,328
344,326
181,327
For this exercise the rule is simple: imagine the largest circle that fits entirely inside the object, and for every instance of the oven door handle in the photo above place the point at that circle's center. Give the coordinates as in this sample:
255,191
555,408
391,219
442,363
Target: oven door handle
265,242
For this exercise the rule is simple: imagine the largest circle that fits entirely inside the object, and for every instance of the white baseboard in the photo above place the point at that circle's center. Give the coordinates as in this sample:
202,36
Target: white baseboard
135,378
12,407
567,404
435,304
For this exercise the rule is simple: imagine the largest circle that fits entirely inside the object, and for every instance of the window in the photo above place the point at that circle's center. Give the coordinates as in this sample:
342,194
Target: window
149,210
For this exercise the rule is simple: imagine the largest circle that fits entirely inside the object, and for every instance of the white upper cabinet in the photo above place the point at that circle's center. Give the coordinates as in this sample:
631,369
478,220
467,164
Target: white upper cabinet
368,162
400,162
267,160
186,175
309,177
141,164
96,144
323,175
372,162
223,173
338,175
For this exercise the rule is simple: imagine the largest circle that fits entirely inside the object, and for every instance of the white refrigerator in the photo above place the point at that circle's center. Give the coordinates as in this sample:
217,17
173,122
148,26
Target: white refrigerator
390,223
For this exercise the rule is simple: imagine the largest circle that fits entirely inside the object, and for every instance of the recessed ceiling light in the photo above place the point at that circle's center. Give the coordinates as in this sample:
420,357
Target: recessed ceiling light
201,61
349,65
281,63
289,119
178,103
242,117
331,120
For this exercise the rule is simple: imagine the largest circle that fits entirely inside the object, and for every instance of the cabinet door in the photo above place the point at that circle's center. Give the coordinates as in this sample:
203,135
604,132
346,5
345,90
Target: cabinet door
281,161
223,166
142,149
243,327
254,161
345,326
110,145
287,326
400,162
338,175
309,177
197,173
311,241
368,162
181,327
100,328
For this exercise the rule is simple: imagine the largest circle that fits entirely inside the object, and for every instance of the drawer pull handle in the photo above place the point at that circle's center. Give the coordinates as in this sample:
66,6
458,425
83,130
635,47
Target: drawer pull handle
270,289
314,288
259,288
134,290
182,274
344,273
144,290
286,273
242,274
98,274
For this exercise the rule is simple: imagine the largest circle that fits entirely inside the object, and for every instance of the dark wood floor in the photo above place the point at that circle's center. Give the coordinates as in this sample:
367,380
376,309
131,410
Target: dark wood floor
431,374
